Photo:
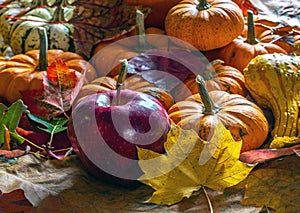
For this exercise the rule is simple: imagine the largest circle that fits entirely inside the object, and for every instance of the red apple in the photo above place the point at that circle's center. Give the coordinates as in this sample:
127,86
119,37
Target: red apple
105,130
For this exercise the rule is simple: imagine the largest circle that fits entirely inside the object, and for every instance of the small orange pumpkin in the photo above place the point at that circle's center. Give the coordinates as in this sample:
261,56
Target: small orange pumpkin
255,40
202,112
107,61
24,71
217,77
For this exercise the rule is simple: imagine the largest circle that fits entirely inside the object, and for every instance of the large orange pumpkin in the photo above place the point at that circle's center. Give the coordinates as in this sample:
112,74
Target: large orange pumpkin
203,111
24,71
217,77
205,24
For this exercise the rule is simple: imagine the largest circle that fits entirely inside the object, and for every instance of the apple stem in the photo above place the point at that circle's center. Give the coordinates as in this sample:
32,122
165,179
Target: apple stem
121,77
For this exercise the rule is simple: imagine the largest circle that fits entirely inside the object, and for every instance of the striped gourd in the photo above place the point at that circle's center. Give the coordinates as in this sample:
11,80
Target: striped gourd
24,35
274,82
11,11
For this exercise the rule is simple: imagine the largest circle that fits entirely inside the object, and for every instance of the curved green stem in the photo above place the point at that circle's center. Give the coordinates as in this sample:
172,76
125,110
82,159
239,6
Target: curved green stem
43,53
203,5
251,30
210,108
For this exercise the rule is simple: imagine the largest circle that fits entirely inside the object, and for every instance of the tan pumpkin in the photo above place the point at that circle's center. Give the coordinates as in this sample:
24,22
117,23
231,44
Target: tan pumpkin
202,112
274,82
106,55
205,24
24,71
255,40
133,82
217,77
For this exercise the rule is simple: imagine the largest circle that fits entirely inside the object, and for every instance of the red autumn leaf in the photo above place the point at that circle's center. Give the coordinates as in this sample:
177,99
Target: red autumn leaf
60,74
60,87
13,153
263,155
167,68
32,98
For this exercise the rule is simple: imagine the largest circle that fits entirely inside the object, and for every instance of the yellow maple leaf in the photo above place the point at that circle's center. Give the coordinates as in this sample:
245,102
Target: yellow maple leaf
190,164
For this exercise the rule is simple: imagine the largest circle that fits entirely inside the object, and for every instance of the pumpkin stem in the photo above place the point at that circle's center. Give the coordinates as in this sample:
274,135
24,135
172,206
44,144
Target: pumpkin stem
210,70
140,27
251,30
43,53
59,15
121,77
203,5
210,108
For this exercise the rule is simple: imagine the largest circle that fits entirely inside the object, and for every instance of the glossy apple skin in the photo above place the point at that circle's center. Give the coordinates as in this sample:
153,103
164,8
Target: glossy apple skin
97,121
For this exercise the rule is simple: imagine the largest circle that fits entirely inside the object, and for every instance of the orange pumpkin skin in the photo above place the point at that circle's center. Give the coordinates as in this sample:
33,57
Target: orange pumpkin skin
107,61
225,78
205,28
256,39
19,72
133,82
159,10
242,118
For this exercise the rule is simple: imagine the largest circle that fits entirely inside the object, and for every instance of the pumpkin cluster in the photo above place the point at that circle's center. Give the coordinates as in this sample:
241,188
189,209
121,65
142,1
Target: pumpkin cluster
249,66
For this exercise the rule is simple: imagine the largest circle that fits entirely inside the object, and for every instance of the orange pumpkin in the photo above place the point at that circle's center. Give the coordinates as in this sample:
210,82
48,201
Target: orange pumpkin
106,55
255,40
202,112
24,71
217,77
134,82
205,24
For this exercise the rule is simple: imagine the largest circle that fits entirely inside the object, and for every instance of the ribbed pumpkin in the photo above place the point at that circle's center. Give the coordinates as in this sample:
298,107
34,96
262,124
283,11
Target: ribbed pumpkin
205,24
24,71
217,77
202,112
134,82
297,40
106,55
274,82
24,36
256,41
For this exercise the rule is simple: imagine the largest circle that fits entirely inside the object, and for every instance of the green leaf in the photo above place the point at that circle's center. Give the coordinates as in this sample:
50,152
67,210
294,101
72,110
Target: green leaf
10,117
53,126
2,110
16,137
13,115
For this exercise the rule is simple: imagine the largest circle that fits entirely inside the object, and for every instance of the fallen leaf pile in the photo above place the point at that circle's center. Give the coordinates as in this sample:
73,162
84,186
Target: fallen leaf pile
64,186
